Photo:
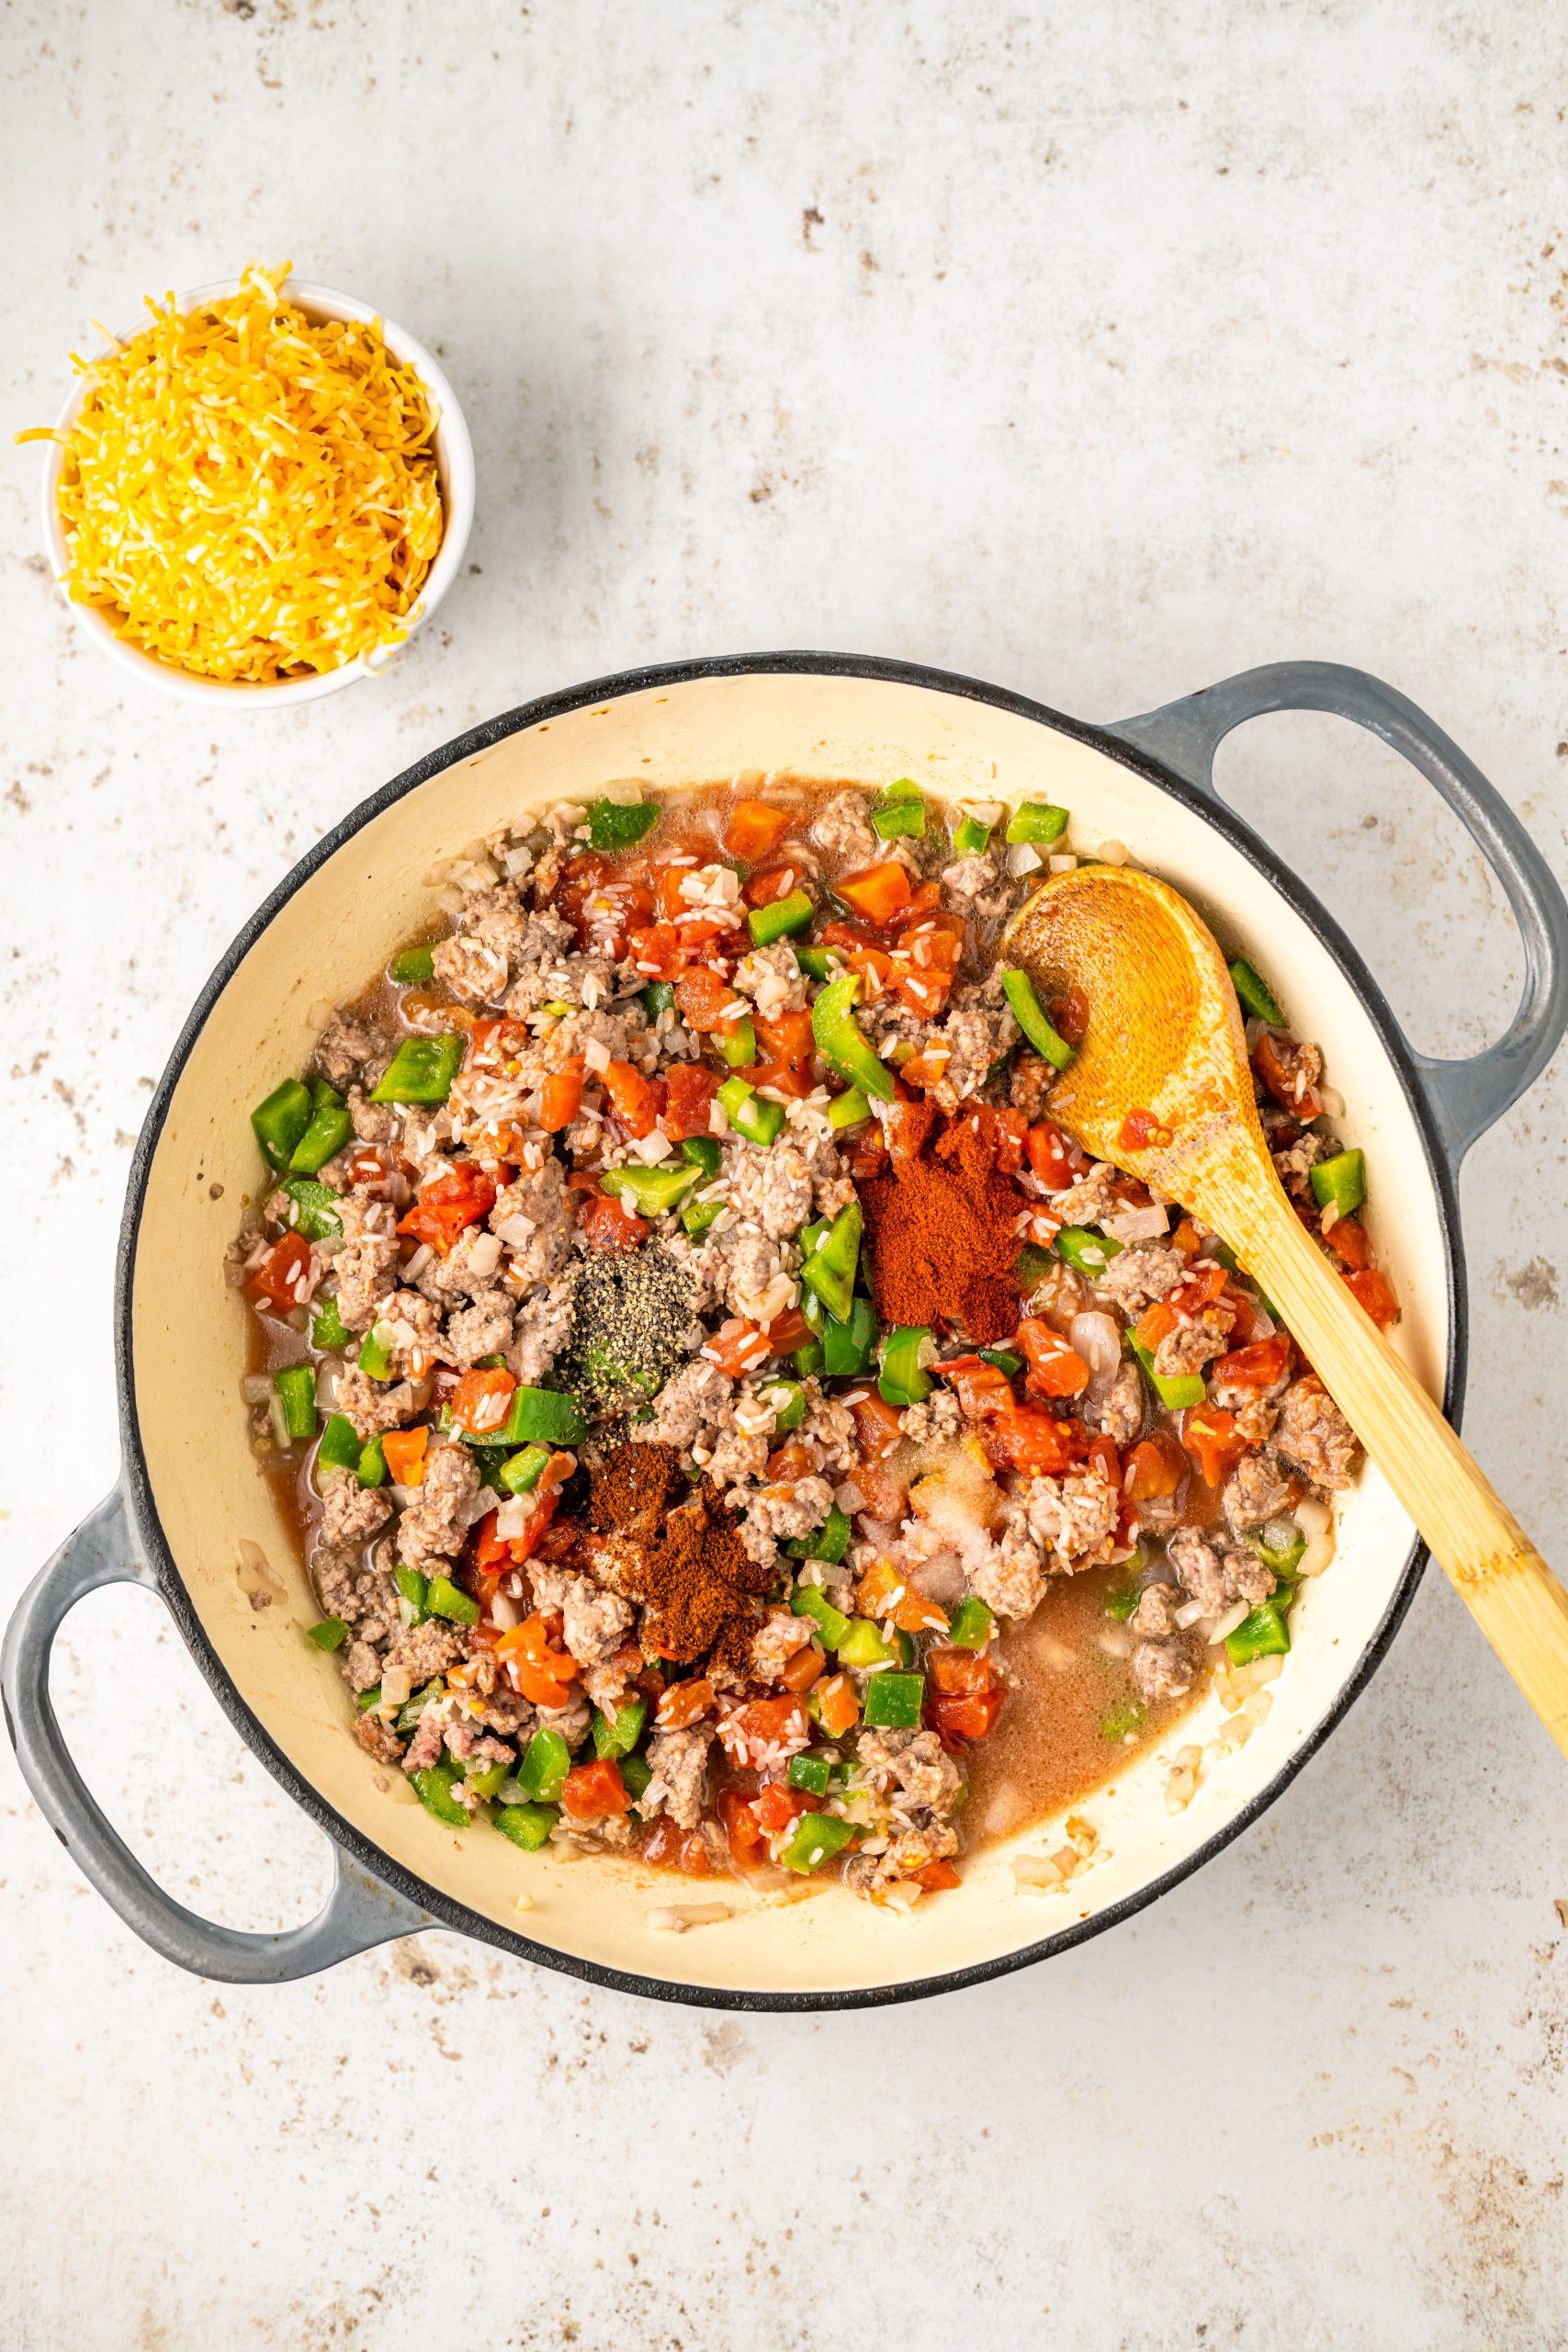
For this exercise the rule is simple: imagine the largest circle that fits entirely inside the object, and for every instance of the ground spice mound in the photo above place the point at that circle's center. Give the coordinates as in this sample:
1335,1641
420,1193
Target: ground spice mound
941,1232
678,1552
631,1327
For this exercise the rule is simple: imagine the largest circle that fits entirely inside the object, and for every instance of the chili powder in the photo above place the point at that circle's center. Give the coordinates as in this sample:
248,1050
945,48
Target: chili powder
941,1233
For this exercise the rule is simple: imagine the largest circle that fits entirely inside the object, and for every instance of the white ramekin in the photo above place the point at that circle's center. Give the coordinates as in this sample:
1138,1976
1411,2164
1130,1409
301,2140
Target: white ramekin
455,468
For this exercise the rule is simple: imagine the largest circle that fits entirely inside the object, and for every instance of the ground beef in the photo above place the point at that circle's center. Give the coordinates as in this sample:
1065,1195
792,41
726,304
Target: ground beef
361,1667
785,1512
1048,1528
776,1641
772,980
691,1407
371,1407
1314,1436
366,1270
424,1651
414,1334
840,830
433,1525
1193,1344
472,969
350,1512
1165,1669
679,1761
1029,1085
483,1329
539,1197
976,1038
769,1189
911,1765
1139,1274
1120,1411
1216,1572
373,1122
455,1276
1258,1490
363,1597
935,1422
351,1049
1295,1164
597,1621
376,1738
1091,1200
542,1329
1154,1618
428,1740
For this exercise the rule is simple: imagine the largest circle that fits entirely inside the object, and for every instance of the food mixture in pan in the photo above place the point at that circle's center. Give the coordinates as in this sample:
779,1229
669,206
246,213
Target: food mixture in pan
728,1420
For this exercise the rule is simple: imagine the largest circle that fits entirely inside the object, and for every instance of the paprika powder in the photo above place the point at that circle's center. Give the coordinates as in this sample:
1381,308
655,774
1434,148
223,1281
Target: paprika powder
942,1234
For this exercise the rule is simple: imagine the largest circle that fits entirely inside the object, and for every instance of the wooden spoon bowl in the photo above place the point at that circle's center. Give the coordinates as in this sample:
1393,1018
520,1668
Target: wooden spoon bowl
1161,1085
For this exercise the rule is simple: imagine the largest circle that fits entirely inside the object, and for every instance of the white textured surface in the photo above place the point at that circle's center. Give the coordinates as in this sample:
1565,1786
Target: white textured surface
1099,352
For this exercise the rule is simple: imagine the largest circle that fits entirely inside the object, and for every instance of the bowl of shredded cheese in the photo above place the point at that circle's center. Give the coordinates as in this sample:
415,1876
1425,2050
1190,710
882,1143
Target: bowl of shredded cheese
260,493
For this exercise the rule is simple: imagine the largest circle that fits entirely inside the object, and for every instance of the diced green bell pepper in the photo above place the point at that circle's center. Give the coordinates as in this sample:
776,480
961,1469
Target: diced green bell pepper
328,1333
620,824
892,1701
413,1594
330,1128
843,1045
829,1542
780,918
421,1071
1340,1183
848,1110
864,1645
737,1043
811,1772
528,1826
371,1467
814,1839
849,1349
1262,1633
1005,1360
314,1210
901,1379
444,1599
1030,1268
1029,1016
329,1634
375,1356
810,1360
281,1120
1120,1603
433,1788
787,1398
830,1259
972,1625
900,813
816,963
810,1601
1279,1546
414,966
1175,1390
752,1118
1257,996
485,1780
1121,1721
366,1700
659,998
341,1445
698,1215
521,1472
545,1766
1086,1249
1037,821
415,1704
651,1190
295,1386
636,1774
970,838
541,1416
704,1153
617,1734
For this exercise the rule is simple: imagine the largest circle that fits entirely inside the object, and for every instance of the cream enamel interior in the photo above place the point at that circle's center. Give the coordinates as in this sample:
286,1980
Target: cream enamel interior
335,931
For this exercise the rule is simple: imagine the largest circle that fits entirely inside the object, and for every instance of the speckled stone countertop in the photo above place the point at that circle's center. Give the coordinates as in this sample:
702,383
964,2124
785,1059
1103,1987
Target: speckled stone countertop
1098,351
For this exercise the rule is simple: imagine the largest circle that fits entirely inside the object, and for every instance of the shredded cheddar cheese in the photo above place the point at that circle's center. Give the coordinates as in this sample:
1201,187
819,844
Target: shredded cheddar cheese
249,494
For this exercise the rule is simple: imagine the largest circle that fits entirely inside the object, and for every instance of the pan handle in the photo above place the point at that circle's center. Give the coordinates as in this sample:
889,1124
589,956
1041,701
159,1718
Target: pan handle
359,1912
1465,1097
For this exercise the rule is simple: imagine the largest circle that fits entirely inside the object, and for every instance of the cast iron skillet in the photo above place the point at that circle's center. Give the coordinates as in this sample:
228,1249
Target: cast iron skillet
1452,1102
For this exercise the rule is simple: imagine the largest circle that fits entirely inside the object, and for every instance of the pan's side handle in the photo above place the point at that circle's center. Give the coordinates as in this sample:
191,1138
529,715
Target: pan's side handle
359,1913
1466,1097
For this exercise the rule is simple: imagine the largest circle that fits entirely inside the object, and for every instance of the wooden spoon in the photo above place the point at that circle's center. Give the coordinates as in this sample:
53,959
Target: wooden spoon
1164,1037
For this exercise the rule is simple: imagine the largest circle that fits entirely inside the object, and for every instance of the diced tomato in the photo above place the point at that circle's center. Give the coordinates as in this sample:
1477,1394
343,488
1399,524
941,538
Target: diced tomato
766,888
802,1671
590,1791
1007,1132
925,988
602,906
1186,1240
1213,1439
738,1812
546,1503
457,1198
683,1702
545,1675
924,900
1277,1058
1068,1017
1103,1454
1054,1368
689,1090
1159,1319
788,1332
980,1388
496,1042
880,893
837,1707
738,1347
755,827
957,1673
791,1462
607,1223
1375,1293
482,1398
277,1280
777,1807
908,1128
878,1425
1260,1365
786,1043
936,1877
659,952
761,1726
561,1098
1243,1314
706,1001
632,1098
488,1547
1048,1156
1140,1129
926,1070
1347,1237
404,1450
1155,1467
967,1717
884,1592
868,1153
368,1166
1035,1445
1201,1289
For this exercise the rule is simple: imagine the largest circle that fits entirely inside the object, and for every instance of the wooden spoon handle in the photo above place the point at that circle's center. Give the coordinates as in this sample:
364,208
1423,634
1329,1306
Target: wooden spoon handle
1513,1595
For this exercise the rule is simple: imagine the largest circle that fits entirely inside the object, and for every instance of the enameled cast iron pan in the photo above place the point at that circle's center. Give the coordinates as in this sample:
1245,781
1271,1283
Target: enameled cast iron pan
193,1520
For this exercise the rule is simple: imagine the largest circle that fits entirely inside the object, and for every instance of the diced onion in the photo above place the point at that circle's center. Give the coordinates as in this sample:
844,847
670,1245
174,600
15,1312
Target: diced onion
516,1230
1023,858
597,1056
1096,1338
1062,863
1227,1623
256,1388
1137,1225
511,1519
484,1255
1316,1522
